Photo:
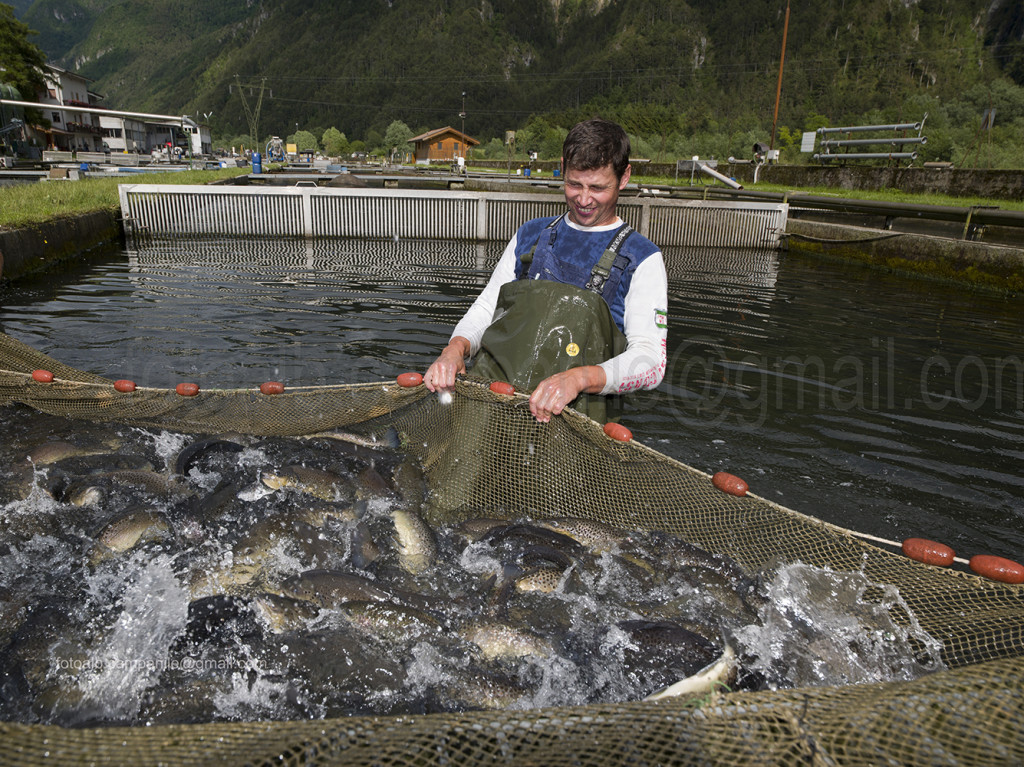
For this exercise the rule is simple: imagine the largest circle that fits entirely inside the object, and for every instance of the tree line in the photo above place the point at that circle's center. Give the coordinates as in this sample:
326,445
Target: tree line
685,77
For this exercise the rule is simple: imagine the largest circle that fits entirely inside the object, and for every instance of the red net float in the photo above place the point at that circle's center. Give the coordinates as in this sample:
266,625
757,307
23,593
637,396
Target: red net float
501,387
43,376
408,380
272,387
997,568
124,385
187,389
729,483
618,431
929,552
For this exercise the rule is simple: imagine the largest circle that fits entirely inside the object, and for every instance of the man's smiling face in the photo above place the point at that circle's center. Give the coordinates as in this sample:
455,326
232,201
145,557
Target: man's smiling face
592,194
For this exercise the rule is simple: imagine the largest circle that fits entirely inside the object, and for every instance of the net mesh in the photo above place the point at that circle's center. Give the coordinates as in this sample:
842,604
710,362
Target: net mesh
485,452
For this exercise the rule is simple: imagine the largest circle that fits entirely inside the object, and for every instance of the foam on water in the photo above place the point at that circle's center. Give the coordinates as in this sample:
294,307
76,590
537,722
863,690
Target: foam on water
165,444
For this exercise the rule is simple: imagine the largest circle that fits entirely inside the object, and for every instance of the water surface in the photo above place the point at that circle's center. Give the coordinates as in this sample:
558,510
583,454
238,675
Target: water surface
889,405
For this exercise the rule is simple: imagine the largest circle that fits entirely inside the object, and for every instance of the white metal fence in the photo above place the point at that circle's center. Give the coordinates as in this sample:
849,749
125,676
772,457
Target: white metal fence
109,158
167,210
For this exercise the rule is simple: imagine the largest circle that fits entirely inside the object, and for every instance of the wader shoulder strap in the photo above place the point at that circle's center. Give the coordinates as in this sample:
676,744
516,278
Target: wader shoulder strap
527,258
609,259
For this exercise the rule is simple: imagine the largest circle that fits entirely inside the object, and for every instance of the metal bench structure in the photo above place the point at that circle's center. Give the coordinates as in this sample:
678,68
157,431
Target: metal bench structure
899,146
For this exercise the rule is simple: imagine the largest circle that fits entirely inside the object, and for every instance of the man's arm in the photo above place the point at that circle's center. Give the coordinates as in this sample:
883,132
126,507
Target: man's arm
479,316
642,365
465,340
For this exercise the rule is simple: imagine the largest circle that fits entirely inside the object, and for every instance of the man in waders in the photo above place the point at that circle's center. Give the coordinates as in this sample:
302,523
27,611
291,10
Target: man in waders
577,304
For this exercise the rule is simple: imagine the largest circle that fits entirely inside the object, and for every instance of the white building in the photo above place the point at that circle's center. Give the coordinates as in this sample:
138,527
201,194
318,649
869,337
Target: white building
70,130
199,137
79,123
124,134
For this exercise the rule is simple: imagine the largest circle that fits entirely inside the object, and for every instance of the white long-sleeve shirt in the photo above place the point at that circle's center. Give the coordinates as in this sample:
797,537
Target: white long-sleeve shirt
645,312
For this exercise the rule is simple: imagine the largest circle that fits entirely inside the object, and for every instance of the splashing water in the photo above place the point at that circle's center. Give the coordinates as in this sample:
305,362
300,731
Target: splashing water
821,627
135,653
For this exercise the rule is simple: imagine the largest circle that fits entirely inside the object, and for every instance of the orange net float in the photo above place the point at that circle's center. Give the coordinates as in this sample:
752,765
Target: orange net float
124,385
272,387
408,380
929,552
997,568
618,431
42,376
501,387
729,483
187,389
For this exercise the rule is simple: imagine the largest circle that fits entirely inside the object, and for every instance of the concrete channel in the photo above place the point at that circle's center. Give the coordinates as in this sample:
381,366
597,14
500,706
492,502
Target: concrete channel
931,241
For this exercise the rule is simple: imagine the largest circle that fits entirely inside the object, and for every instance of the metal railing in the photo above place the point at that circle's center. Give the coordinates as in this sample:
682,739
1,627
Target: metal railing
165,210
974,219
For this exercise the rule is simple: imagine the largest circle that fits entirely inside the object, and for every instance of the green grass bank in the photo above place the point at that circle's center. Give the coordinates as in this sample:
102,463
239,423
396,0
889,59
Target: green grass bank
49,222
23,205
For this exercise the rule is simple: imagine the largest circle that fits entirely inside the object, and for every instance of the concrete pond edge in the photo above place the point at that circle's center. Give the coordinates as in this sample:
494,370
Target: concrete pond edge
36,248
975,264
39,247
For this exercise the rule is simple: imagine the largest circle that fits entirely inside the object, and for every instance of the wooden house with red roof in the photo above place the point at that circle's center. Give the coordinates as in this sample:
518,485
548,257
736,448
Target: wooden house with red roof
441,145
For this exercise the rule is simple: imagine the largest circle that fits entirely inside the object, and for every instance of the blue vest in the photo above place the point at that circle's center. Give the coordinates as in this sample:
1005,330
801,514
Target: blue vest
567,255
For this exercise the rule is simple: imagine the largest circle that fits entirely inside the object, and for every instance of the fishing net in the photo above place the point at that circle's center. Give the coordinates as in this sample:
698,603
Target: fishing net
485,453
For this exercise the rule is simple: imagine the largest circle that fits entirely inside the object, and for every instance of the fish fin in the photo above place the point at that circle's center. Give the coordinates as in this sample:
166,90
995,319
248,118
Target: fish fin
714,676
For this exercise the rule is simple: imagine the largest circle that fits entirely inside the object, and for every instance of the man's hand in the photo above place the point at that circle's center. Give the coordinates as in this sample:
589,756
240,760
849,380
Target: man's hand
555,392
440,376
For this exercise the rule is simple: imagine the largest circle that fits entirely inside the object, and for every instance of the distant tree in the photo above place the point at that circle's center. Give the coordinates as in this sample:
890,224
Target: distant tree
21,61
357,146
396,139
238,142
493,150
788,138
813,122
372,140
551,146
304,141
334,142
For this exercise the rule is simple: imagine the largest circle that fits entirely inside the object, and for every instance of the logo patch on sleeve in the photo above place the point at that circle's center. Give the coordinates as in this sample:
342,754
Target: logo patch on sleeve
661,318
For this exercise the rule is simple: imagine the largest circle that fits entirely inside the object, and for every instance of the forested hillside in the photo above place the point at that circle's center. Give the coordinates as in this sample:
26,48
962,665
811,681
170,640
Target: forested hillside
695,77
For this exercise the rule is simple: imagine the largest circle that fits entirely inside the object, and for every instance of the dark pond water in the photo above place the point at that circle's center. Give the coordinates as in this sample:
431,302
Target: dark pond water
887,405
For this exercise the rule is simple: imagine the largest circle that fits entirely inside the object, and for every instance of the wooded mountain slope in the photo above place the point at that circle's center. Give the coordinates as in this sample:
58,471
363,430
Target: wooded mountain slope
668,69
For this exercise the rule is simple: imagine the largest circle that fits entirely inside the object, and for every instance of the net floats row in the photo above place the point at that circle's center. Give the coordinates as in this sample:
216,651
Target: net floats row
183,389
986,565
919,549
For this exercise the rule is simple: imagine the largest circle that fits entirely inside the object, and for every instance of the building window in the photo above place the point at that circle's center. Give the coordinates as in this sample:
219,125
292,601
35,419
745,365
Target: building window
55,116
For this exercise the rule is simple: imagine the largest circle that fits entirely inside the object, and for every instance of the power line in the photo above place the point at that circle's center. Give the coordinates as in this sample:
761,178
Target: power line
404,107
804,63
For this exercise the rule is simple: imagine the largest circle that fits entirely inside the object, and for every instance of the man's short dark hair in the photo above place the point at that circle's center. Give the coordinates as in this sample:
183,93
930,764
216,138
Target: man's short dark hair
593,144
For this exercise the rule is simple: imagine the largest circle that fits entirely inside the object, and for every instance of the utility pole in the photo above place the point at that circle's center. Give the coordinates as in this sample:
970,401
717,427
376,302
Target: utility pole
778,89
252,116
462,114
